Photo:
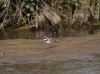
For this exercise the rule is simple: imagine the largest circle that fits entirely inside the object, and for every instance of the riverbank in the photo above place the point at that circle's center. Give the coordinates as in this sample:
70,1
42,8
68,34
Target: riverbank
35,51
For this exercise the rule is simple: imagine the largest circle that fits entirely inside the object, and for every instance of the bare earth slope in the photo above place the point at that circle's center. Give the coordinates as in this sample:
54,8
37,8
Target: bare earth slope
34,51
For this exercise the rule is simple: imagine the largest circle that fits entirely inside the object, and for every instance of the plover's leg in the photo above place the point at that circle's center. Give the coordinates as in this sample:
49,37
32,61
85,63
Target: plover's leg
51,45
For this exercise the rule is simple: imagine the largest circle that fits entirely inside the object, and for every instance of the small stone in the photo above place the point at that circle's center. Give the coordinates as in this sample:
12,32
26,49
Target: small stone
2,53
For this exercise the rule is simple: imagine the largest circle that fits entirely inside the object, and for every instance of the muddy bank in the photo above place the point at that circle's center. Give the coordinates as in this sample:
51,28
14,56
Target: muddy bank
35,51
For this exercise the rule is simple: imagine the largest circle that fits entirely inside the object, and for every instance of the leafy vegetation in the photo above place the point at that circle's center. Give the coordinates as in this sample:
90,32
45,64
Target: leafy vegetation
77,14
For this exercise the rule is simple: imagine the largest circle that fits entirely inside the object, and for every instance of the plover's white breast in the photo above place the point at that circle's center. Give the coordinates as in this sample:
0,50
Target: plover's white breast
48,41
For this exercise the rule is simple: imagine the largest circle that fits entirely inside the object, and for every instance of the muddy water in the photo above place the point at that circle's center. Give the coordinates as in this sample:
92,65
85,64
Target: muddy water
89,65
80,55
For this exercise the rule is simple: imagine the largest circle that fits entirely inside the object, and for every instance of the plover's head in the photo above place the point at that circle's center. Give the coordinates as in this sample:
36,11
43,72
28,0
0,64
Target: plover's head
45,38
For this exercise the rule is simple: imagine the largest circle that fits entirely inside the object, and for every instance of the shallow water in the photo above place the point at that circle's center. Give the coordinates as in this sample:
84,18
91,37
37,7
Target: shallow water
89,65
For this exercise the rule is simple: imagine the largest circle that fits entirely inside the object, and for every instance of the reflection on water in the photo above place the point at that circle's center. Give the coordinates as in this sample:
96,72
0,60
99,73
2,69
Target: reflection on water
74,66
27,34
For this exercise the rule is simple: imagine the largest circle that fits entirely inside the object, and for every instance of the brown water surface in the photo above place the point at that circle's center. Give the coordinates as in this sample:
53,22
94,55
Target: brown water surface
72,55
